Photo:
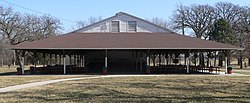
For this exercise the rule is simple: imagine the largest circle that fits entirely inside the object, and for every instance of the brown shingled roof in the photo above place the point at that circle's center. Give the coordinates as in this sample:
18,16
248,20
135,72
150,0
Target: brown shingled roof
124,41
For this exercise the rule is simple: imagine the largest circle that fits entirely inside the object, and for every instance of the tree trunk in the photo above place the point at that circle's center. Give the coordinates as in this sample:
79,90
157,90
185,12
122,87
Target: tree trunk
215,59
220,60
229,60
241,64
153,59
248,61
201,59
166,57
19,59
208,59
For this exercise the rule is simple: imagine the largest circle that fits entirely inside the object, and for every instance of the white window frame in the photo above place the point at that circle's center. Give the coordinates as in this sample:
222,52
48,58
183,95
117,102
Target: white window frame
117,27
135,29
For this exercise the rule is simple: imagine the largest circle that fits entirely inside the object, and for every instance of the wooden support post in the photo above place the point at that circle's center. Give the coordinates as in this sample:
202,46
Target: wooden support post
226,62
50,59
188,62
148,58
106,58
148,63
84,61
70,60
56,61
60,59
35,57
159,59
43,59
185,59
23,56
64,64
14,58
140,61
74,60
169,58
78,60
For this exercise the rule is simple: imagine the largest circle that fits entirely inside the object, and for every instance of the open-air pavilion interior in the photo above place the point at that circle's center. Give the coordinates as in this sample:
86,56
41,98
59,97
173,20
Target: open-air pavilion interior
119,53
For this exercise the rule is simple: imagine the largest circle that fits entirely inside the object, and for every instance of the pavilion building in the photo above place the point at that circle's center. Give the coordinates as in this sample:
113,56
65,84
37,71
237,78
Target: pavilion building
120,44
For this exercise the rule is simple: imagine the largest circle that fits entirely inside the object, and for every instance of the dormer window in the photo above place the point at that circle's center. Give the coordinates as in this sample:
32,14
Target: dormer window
115,26
132,26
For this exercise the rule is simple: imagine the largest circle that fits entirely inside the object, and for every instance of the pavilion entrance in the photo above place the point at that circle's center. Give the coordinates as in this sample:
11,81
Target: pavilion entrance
118,62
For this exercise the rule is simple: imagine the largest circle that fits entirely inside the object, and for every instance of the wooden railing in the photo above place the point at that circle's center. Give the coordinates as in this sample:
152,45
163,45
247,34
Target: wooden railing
58,70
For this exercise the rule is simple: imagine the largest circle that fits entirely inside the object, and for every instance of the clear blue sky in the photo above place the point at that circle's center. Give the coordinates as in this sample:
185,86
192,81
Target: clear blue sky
75,10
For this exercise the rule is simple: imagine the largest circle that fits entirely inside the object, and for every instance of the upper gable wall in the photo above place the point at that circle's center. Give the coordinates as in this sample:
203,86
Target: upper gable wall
105,25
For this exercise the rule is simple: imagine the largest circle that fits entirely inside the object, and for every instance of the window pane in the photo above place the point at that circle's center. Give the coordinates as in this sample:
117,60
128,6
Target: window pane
132,26
115,26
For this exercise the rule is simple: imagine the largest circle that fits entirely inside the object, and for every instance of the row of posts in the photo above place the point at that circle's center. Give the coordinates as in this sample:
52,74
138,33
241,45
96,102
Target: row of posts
106,61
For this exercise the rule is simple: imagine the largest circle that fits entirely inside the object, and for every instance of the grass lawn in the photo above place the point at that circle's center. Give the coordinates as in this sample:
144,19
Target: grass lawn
8,77
172,88
6,69
6,81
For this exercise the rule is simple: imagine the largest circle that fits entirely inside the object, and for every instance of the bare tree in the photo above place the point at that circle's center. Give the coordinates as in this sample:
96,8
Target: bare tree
17,28
83,23
178,18
198,18
159,21
242,32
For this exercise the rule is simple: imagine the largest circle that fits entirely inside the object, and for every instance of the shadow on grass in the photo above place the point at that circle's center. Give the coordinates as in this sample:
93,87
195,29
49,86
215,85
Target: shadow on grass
8,73
14,73
113,95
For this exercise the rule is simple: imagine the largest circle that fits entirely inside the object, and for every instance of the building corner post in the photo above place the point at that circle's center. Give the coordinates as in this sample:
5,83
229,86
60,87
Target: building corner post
64,63
105,69
23,55
188,61
148,71
226,56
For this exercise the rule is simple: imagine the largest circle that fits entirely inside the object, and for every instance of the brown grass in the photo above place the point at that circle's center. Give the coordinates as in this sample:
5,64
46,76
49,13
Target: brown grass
181,88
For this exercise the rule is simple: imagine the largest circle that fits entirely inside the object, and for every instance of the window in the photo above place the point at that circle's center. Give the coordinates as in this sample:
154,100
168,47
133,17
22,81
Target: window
115,26
132,26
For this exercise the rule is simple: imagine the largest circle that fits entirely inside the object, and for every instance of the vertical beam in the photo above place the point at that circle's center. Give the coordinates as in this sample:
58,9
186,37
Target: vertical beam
188,62
185,59
60,59
140,61
148,63
159,59
50,59
70,62
84,61
43,59
64,63
14,58
226,62
148,59
106,58
169,58
79,60
75,60
23,55
56,61
35,57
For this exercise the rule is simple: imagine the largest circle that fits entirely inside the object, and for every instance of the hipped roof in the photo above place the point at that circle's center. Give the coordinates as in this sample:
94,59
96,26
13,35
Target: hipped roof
123,41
